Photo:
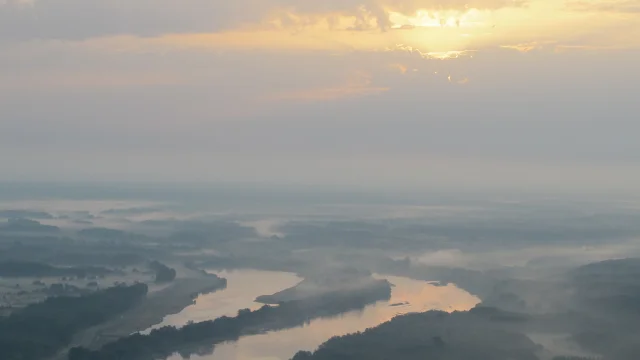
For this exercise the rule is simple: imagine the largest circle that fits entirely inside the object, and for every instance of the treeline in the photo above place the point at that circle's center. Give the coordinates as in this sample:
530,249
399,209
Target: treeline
27,225
40,330
17,214
163,342
432,335
37,269
164,273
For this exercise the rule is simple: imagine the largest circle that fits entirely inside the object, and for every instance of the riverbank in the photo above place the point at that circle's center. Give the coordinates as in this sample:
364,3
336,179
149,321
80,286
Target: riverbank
150,311
164,342
309,288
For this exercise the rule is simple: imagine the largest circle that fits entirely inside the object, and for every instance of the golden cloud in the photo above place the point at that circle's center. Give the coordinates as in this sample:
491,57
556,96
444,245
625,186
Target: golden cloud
431,29
357,85
604,6
400,67
527,47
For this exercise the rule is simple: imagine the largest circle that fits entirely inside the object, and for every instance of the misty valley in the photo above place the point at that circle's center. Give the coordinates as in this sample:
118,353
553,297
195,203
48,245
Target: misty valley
147,273
319,180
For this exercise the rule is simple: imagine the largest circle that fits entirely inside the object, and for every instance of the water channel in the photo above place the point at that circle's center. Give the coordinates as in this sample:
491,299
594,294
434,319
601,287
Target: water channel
244,286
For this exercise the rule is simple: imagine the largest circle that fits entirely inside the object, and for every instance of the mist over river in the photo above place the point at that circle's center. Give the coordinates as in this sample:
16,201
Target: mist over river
244,286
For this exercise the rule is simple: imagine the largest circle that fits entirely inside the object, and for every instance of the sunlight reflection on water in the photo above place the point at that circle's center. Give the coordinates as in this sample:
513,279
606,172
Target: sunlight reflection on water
407,296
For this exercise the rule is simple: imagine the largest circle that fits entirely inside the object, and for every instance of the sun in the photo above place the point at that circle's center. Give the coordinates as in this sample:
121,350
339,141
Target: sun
439,34
438,19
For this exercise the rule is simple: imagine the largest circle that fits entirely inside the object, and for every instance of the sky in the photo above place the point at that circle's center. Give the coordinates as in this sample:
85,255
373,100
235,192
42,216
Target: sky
410,94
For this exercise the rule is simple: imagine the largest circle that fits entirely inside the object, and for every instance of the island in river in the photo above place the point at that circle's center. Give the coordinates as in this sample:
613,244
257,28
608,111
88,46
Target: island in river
163,342
344,281
416,295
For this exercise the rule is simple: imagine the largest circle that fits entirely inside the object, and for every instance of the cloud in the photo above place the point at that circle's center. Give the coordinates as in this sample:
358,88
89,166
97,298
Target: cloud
81,19
332,93
527,47
358,85
527,256
604,6
439,55
460,81
523,107
47,81
440,29
400,67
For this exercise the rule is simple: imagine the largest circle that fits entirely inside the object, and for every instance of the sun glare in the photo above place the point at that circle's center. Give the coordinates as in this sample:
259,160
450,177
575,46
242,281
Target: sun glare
440,34
432,19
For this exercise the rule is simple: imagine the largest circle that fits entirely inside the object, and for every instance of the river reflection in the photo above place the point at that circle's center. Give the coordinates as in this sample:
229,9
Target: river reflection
243,286
407,296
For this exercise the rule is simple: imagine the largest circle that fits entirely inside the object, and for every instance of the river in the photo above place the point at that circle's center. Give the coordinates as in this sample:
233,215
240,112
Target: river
244,286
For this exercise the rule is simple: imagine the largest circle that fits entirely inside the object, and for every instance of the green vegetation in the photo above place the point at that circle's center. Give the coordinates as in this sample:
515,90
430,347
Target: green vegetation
27,214
432,335
164,273
36,269
27,225
40,330
343,280
165,341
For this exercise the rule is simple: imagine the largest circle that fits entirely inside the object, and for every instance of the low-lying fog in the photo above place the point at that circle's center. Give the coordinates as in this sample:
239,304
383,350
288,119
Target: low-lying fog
540,257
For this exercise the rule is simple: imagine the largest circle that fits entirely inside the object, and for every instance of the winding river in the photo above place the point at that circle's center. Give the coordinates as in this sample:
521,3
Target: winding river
244,286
